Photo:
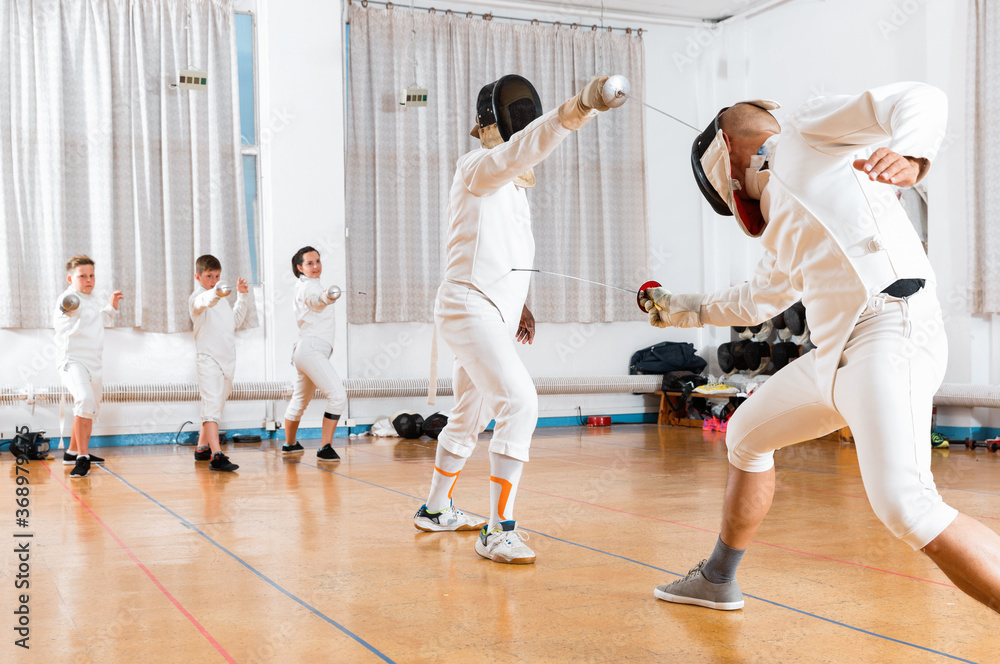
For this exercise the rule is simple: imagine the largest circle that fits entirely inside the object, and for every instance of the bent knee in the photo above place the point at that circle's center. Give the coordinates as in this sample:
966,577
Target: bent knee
916,520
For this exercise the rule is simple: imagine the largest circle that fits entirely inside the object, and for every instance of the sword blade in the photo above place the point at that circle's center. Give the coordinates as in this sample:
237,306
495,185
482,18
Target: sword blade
567,276
653,108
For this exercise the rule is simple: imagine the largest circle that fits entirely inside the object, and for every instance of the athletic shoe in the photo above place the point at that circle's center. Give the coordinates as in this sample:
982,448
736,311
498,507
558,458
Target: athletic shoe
70,459
327,453
221,462
292,449
81,469
203,455
449,519
696,589
504,544
711,424
938,441
715,389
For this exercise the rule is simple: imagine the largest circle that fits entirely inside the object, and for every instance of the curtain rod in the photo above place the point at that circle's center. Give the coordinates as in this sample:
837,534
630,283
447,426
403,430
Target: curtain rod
489,16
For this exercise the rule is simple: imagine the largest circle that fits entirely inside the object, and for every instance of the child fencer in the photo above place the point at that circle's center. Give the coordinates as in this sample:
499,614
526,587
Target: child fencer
311,355
79,322
479,310
215,324
838,239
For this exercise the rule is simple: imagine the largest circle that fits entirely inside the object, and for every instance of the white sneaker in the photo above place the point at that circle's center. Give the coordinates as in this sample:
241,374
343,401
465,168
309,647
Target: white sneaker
504,544
448,519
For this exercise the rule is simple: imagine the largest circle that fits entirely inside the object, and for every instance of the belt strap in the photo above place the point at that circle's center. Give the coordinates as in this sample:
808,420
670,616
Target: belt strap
904,287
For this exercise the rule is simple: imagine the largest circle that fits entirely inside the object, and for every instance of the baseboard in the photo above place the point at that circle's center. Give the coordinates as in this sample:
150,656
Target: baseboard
168,438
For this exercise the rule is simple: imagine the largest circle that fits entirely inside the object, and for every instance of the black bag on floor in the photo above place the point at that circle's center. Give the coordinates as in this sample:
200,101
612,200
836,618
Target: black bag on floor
30,444
665,357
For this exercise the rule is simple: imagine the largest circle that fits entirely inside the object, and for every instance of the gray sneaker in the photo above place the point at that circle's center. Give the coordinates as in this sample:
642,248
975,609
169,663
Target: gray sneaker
696,589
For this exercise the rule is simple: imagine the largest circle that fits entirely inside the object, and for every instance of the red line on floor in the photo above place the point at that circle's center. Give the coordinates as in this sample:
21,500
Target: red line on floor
173,600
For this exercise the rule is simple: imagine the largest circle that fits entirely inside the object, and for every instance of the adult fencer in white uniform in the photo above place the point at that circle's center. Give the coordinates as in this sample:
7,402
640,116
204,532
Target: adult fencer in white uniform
311,354
835,236
480,309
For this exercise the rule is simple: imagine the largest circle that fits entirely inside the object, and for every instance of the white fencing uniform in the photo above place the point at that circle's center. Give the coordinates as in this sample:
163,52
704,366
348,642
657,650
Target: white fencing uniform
215,326
479,304
836,240
311,355
79,339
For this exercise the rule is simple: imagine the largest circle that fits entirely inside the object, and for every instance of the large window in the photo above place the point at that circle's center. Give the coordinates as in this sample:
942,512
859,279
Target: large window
246,55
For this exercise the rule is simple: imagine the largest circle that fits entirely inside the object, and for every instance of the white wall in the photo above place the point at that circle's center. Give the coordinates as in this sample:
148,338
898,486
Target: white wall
788,54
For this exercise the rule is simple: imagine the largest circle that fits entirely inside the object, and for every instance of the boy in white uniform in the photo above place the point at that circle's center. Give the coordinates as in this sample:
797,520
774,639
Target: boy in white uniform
839,240
480,309
215,353
79,323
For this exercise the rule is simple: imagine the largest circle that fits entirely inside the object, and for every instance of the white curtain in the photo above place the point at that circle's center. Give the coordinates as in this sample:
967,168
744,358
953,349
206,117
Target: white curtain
984,135
588,207
99,155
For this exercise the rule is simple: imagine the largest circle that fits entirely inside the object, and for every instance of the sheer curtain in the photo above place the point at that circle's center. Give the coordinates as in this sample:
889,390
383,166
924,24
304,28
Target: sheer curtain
99,155
984,197
588,207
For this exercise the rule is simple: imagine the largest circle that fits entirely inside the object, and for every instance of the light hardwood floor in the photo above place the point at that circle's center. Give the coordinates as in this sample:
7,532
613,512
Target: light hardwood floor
157,559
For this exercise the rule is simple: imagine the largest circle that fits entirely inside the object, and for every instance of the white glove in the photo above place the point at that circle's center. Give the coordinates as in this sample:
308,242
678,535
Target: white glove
669,310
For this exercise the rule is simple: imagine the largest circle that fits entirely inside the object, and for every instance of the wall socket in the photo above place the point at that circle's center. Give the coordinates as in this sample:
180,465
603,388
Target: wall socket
349,422
270,425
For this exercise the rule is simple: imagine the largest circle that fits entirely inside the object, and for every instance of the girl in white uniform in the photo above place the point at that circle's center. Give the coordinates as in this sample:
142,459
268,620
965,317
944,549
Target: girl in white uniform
311,355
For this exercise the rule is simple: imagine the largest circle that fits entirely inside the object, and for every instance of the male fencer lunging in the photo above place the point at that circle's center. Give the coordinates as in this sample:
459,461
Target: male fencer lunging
480,304
837,238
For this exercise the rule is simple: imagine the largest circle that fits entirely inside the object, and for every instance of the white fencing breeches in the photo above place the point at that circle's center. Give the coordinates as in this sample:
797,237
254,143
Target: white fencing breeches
86,389
214,386
312,359
891,367
490,380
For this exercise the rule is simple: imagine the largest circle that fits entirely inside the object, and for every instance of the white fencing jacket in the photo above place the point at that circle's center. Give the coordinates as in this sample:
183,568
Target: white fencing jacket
833,237
79,334
490,223
215,326
313,312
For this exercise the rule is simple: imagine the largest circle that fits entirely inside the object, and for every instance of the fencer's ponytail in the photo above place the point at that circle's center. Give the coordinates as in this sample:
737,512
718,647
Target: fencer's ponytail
298,258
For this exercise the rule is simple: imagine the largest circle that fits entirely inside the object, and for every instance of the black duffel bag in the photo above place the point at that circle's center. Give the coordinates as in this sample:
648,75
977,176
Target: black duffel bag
665,357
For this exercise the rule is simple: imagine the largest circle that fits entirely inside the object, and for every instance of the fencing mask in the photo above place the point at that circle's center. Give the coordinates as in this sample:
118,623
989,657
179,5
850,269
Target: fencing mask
503,108
714,174
408,424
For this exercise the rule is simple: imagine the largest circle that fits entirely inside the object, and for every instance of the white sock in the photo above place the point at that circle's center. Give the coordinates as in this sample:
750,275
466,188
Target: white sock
505,474
447,466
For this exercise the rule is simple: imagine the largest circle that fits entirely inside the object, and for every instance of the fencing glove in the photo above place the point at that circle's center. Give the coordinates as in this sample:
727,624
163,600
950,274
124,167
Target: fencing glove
669,310
577,111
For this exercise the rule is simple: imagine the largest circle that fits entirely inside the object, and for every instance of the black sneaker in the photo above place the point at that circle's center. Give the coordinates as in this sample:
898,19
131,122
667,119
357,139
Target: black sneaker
202,455
292,449
327,453
81,469
70,459
221,462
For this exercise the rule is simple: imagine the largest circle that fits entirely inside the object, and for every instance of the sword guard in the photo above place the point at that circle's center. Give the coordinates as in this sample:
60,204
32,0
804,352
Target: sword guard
642,289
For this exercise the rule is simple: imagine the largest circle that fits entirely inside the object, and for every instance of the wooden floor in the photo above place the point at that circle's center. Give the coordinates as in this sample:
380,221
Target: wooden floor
156,559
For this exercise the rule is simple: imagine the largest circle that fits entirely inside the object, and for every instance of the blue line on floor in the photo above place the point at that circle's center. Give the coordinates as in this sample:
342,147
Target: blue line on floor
232,555
638,562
